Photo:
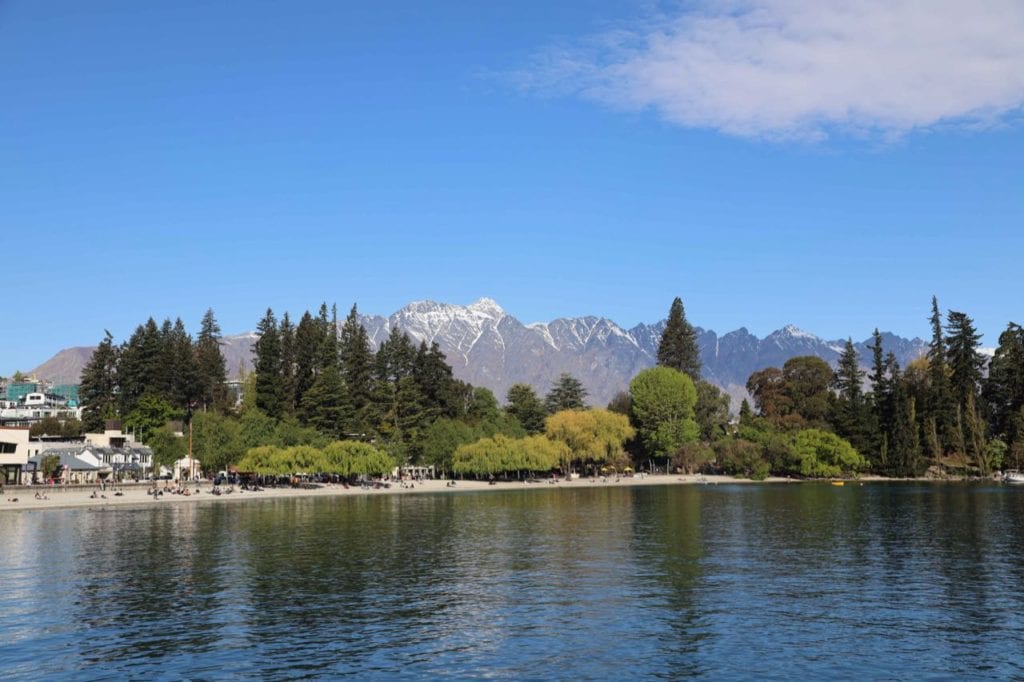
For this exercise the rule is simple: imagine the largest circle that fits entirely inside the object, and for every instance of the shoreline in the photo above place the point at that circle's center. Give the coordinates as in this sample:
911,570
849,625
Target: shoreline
136,495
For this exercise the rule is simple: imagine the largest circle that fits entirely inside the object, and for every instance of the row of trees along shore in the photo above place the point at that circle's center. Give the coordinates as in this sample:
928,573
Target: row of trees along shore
318,390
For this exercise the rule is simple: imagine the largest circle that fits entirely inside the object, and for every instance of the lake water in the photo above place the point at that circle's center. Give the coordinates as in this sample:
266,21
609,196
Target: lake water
731,581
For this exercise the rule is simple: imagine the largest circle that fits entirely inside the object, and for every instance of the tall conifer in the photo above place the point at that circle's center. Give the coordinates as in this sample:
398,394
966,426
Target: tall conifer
678,347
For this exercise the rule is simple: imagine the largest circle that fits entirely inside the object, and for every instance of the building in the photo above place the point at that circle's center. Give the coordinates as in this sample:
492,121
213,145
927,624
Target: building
14,453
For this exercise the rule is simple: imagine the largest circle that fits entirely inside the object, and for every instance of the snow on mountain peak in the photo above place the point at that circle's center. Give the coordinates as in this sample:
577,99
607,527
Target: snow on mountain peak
797,333
487,306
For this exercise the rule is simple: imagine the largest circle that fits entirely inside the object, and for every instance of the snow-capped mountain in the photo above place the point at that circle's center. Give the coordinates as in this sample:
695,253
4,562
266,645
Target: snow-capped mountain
488,347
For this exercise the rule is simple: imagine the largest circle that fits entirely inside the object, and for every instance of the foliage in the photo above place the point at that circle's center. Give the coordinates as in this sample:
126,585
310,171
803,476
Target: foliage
663,410
150,414
526,407
64,427
167,447
344,458
711,411
99,387
49,466
589,435
566,394
502,455
821,454
678,346
742,458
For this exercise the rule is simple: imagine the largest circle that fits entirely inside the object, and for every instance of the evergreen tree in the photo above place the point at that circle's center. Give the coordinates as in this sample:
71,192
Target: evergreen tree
850,413
98,389
324,405
308,339
526,407
965,363
267,364
941,406
436,384
184,385
139,369
210,365
678,347
1004,389
356,365
286,331
902,434
568,393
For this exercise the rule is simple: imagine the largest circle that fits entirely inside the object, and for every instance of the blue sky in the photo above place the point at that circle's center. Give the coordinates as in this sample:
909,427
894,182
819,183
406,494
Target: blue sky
768,163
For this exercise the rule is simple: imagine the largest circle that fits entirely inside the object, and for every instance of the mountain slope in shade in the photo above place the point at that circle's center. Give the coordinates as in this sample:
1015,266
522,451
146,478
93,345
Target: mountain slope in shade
488,347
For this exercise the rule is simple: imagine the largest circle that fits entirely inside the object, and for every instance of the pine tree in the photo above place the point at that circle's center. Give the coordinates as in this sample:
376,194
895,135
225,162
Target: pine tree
849,411
308,339
323,404
526,407
286,331
356,365
965,363
140,369
678,347
941,406
1004,388
267,365
98,389
902,437
210,364
568,393
183,373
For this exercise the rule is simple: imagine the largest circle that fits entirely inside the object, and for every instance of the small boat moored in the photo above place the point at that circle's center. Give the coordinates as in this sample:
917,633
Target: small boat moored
1016,477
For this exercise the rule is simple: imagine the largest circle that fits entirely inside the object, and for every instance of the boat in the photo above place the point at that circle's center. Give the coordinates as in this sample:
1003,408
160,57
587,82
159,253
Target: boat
1016,477
838,482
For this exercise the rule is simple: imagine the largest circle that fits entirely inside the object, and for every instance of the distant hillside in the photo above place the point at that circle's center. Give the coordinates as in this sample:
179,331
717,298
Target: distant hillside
488,347
66,366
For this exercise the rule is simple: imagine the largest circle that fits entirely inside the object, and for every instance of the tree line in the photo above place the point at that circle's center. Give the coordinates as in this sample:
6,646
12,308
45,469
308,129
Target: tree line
317,382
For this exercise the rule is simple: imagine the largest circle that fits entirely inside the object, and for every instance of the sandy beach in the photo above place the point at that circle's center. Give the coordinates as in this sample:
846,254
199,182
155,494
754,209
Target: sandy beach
138,495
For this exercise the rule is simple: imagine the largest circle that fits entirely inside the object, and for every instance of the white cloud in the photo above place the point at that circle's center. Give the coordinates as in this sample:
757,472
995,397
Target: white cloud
806,68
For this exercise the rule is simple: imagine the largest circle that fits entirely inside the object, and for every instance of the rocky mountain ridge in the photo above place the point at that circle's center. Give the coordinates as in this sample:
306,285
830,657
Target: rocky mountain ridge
488,347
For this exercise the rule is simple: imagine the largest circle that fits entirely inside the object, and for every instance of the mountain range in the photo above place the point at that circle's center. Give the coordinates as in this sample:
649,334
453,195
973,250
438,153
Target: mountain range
488,347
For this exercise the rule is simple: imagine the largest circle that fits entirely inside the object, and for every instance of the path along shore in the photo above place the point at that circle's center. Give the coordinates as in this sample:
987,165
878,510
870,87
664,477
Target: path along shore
138,494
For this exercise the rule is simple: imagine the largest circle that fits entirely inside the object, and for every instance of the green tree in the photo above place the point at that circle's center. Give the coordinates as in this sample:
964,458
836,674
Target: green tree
215,441
766,388
289,383
210,364
965,363
140,367
711,411
850,411
941,404
151,414
526,407
820,454
167,447
267,350
308,340
441,439
356,364
567,393
595,436
678,347
663,410
806,381
324,406
99,387
1004,389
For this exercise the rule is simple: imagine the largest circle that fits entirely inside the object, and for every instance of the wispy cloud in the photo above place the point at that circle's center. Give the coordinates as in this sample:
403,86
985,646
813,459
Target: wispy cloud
806,69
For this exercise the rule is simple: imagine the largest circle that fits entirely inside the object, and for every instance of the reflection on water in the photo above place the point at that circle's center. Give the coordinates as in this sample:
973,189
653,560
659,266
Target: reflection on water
724,581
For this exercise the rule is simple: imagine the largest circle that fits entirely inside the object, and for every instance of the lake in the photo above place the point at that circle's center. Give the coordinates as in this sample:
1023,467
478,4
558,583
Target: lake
728,581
